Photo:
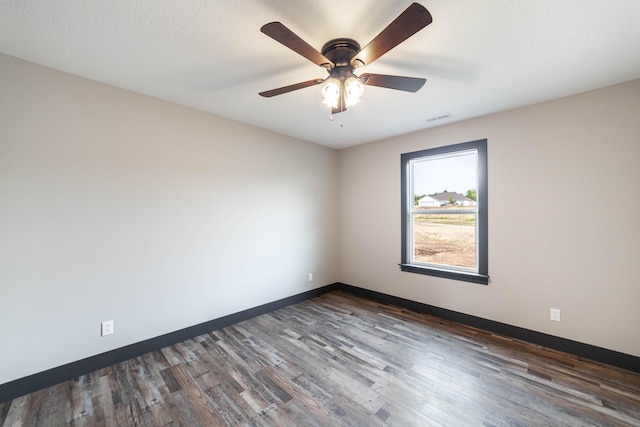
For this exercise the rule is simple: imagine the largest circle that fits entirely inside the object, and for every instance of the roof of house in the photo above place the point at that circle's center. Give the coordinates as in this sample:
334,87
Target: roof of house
448,195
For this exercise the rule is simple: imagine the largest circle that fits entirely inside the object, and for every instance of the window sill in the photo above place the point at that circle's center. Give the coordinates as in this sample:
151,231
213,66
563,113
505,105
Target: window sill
481,279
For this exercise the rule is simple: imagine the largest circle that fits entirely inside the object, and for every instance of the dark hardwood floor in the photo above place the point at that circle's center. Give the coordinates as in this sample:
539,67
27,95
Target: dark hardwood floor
341,360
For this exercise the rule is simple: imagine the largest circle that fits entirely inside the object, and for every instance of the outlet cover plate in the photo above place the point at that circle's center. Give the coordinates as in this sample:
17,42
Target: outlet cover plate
554,314
106,328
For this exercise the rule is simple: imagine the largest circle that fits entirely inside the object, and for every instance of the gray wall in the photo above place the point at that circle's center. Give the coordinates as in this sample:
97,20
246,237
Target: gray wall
563,218
118,206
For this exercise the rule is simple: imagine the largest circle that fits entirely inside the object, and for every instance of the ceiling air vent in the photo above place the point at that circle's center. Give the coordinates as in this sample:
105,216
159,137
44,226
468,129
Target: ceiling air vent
438,118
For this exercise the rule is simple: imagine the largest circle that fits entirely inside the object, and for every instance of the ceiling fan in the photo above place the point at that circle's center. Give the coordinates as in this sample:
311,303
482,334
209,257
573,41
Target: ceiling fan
340,57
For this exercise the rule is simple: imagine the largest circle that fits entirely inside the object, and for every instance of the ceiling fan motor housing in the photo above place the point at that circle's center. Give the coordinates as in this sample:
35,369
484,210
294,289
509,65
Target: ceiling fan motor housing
340,51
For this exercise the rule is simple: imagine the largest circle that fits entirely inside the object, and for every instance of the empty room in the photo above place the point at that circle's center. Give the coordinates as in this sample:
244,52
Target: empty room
319,213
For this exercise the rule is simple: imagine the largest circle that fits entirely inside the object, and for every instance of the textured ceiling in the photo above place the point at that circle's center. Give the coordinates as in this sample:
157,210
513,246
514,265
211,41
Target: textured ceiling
479,56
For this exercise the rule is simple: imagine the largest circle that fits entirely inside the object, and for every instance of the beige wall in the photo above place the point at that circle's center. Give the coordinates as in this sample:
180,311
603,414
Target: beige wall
118,206
563,218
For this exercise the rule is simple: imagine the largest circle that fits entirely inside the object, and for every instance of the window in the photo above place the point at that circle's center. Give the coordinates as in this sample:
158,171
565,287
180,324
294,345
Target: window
444,212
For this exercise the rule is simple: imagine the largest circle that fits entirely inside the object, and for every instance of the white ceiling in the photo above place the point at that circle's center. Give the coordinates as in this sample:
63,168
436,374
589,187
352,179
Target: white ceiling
479,56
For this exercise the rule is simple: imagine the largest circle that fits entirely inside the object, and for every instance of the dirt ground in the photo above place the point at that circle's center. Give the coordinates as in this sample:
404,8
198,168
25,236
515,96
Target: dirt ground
444,243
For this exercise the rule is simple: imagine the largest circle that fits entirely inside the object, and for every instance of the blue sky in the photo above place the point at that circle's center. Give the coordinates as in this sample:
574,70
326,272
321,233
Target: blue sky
452,173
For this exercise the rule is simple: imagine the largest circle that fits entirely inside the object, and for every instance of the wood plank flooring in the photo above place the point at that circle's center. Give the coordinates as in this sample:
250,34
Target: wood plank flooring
341,360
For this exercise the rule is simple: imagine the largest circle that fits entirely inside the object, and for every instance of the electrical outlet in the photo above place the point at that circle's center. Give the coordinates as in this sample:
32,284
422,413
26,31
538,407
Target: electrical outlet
106,328
311,277
554,314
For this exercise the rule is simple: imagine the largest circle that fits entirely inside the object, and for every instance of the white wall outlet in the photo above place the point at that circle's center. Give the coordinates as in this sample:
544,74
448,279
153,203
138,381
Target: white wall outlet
106,328
311,277
554,314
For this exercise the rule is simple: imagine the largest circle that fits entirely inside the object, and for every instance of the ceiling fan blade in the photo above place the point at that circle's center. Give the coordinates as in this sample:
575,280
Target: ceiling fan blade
407,84
290,88
282,34
412,20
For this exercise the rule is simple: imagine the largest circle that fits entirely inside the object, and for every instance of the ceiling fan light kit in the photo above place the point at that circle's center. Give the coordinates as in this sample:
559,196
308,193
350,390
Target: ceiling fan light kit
343,88
339,90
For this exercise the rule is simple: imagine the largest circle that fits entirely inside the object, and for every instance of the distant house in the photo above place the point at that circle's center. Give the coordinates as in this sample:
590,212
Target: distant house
448,196
428,202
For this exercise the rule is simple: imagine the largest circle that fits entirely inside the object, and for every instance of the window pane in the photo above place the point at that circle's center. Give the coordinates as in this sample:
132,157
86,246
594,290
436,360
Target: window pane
444,212
445,239
445,179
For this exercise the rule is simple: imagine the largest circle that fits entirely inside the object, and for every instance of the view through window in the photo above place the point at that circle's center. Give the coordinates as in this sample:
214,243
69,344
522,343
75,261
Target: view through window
444,211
